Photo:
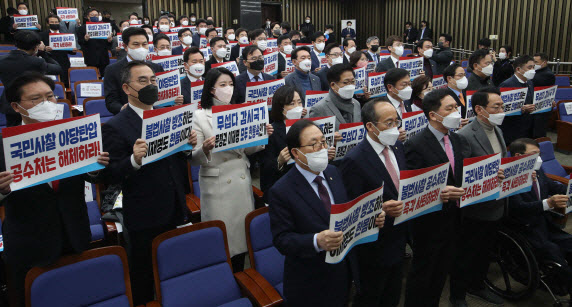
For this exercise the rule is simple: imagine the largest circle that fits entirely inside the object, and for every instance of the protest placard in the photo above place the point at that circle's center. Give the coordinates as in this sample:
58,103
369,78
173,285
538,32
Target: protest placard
313,97
91,89
170,62
166,131
569,194
356,219
271,62
207,53
272,45
352,134
98,30
414,65
219,31
229,49
239,125
67,13
262,91
230,65
375,84
370,67
568,108
197,92
203,42
169,83
513,99
439,82
480,179
174,38
26,22
323,60
289,68
360,79
470,112
44,152
420,191
77,62
517,175
413,122
543,98
327,125
62,41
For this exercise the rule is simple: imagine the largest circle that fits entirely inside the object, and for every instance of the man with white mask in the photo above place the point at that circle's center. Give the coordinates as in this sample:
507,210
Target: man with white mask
479,222
302,79
285,46
186,38
201,30
481,63
425,49
164,24
395,46
398,86
194,61
457,82
334,56
136,43
219,52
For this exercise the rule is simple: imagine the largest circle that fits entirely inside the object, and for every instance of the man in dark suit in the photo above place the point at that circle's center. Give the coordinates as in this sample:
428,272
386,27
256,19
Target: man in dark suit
307,27
481,66
267,27
134,39
377,161
302,79
47,220
443,56
95,51
457,82
520,126
479,222
194,61
532,211
398,86
543,77
153,194
372,52
300,204
395,46
425,49
434,235
254,72
334,56
349,45
201,30
218,47
186,38
348,31
242,38
424,31
319,42
285,46
410,33
60,56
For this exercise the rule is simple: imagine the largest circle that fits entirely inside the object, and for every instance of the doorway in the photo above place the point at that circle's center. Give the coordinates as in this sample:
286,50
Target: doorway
271,10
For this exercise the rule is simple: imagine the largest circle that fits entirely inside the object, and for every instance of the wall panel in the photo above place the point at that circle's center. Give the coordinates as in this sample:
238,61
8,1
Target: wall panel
219,9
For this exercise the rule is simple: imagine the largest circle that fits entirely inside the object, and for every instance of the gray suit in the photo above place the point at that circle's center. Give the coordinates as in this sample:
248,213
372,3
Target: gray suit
481,146
294,80
327,108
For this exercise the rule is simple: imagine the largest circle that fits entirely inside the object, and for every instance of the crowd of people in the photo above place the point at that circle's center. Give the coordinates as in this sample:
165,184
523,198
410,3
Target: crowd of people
49,220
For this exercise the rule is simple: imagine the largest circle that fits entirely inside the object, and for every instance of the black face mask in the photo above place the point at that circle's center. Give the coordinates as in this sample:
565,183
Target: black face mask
148,95
440,44
54,27
374,48
257,65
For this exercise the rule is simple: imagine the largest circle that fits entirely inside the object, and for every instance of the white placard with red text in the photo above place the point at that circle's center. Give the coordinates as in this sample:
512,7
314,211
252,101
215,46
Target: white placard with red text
414,65
413,122
517,175
197,92
170,62
239,126
169,83
98,30
271,62
480,179
67,13
352,134
543,98
26,22
439,82
231,65
375,84
360,79
262,91
62,41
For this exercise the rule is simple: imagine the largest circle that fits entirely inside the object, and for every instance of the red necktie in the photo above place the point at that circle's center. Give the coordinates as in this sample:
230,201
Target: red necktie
324,196
56,185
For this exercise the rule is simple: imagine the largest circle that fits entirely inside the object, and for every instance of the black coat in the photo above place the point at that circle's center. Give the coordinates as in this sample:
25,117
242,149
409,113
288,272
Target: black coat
323,75
518,126
503,70
210,62
239,94
443,58
384,65
186,89
94,50
544,77
270,173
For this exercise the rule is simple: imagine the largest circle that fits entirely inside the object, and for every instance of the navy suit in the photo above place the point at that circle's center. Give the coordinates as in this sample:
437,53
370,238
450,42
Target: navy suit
384,65
196,40
380,262
315,61
239,94
281,65
177,50
296,214
186,89
518,126
323,75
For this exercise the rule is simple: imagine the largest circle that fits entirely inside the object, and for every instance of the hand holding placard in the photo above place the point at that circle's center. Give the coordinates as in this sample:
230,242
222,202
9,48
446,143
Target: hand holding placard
208,145
557,201
380,220
139,150
451,193
329,240
393,208
6,179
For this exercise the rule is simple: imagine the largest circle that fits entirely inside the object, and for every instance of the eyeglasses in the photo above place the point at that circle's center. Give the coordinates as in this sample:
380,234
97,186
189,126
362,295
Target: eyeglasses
144,81
337,54
498,108
256,58
35,101
350,82
390,123
318,146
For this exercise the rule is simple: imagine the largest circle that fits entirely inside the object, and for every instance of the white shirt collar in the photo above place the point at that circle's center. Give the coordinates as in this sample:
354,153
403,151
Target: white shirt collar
52,31
394,60
519,80
317,52
283,54
377,147
193,79
310,177
137,110
250,76
393,101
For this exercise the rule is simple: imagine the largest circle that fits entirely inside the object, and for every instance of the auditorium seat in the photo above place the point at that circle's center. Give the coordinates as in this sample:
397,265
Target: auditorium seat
564,126
194,198
563,93
82,73
551,167
96,105
67,107
96,226
562,80
79,96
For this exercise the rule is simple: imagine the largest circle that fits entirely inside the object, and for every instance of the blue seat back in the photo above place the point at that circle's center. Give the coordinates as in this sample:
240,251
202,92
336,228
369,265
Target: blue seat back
464,63
97,106
98,281
563,80
195,177
407,52
59,91
8,47
268,260
563,93
196,260
67,111
95,223
82,74
564,116
549,163
1,90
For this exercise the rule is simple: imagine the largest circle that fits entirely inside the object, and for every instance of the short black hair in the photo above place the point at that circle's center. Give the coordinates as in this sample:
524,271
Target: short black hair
133,14
164,17
432,101
349,21
248,50
214,40
286,26
183,30
210,81
392,39
330,26
408,23
52,16
522,60
11,11
226,30
22,3
335,72
543,56
208,31
160,36
89,10
448,37
449,71
14,91
192,50
199,21
518,146
210,23
329,48
192,14
393,75
477,56
147,27
345,43
282,38
481,97
294,33
484,42
316,35
419,84
26,40
252,35
293,135
368,110
283,96
294,55
508,49
181,17
420,44
132,31
425,22
126,71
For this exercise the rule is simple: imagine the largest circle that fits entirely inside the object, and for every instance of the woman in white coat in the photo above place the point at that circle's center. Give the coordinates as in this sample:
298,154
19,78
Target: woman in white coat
226,186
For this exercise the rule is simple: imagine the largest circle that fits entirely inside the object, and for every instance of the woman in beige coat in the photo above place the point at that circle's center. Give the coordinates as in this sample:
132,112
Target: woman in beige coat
226,186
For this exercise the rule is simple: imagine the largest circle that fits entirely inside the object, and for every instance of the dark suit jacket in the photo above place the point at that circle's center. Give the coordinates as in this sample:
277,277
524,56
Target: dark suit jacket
186,89
323,75
177,50
115,97
411,33
296,214
235,52
351,32
210,62
315,61
433,68
476,83
443,58
196,40
428,33
518,126
94,50
331,39
239,94
384,65
544,77
294,80
459,104
281,65
154,195
270,173
503,70
363,171
40,221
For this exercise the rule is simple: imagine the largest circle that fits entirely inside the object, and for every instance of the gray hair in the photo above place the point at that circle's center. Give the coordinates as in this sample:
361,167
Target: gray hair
371,38
126,71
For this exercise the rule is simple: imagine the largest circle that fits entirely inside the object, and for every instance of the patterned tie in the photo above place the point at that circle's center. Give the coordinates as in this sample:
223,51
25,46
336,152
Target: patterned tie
449,152
462,99
390,168
324,196
535,188
256,78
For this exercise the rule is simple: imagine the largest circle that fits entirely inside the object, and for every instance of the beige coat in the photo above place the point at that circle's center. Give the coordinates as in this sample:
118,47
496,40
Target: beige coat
226,186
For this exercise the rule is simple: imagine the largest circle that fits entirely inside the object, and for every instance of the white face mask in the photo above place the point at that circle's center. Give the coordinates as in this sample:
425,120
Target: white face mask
451,121
428,53
23,12
146,22
317,161
405,94
187,40
262,45
268,22
197,70
338,60
243,40
224,94
487,70
308,20
100,18
231,37
185,22
320,46
398,50
495,119
124,28
295,113
202,31
529,74
351,50
164,28
164,52
538,163
43,111
221,52
502,55
388,137
172,24
139,54
537,67
193,19
288,49
346,92
134,22
462,83
306,65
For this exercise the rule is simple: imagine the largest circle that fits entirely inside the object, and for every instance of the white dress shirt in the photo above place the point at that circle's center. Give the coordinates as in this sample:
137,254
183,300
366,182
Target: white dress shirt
378,148
251,76
395,60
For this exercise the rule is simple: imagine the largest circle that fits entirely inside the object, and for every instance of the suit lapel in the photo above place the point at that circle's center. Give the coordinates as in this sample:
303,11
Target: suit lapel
307,193
481,137
135,122
434,145
378,167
